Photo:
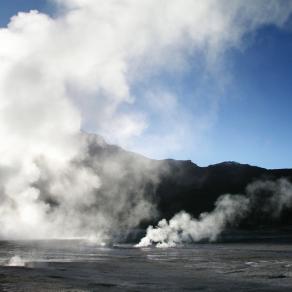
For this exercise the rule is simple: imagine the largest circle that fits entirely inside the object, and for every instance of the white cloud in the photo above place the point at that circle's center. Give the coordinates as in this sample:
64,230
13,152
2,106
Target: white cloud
80,67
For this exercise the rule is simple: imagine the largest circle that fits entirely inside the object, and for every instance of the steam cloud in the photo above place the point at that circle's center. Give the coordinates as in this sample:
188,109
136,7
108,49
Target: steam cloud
267,197
77,70
183,228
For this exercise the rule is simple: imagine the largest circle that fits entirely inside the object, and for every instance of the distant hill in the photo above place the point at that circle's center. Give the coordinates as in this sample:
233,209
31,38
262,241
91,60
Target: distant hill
194,189
175,185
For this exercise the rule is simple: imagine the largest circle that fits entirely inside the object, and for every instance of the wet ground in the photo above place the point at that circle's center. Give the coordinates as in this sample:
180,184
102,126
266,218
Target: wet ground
71,265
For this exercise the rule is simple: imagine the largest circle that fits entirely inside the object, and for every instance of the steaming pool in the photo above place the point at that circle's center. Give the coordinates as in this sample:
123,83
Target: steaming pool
75,265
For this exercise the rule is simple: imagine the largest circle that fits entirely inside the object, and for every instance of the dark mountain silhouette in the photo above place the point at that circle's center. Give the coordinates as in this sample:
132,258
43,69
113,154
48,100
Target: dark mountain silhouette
195,189
175,185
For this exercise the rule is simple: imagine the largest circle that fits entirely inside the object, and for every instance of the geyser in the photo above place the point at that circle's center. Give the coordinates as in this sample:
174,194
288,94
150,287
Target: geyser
79,69
229,210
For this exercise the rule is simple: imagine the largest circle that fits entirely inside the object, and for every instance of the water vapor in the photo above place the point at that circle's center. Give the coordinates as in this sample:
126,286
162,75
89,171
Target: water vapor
267,198
78,69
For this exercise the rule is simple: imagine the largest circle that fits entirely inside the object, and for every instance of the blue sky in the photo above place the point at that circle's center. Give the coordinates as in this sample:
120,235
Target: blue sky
253,115
255,119
9,8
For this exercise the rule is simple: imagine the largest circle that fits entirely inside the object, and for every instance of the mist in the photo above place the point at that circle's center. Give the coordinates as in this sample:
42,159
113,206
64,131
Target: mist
75,71
266,198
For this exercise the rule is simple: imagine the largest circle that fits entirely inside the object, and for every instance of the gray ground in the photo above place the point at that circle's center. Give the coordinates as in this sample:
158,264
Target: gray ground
78,266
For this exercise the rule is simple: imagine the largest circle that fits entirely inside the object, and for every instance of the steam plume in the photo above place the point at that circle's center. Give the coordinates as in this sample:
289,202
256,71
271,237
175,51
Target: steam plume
275,196
78,70
183,228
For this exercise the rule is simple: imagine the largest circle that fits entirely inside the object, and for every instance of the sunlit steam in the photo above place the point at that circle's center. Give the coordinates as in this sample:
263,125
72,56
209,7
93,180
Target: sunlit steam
229,210
78,69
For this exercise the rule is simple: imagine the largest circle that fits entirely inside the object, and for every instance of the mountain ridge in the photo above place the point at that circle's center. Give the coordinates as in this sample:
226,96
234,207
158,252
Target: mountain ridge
176,185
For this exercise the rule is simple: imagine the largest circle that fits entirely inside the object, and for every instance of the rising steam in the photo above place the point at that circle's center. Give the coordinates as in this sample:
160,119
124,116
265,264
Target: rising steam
183,228
78,69
229,210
